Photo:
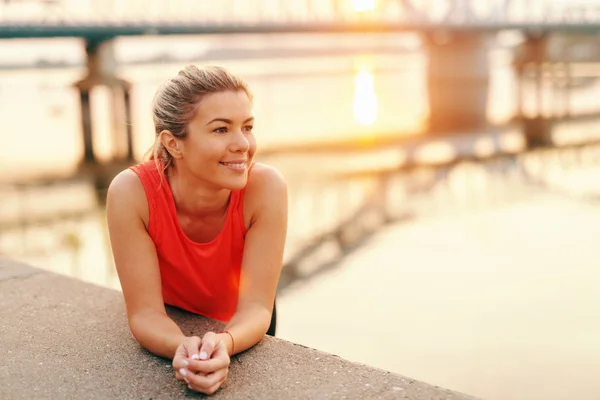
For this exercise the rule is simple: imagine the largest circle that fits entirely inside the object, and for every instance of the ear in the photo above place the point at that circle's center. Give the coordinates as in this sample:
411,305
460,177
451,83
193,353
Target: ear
170,143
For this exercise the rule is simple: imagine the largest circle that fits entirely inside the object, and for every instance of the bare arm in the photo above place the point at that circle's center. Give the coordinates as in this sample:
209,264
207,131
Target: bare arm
137,266
262,262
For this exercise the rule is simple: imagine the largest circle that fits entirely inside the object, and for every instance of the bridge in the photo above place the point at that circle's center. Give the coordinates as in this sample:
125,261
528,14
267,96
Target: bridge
101,19
455,34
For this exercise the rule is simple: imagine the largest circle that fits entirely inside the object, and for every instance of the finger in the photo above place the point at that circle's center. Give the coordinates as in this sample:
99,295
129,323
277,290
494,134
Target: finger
209,343
209,366
181,362
180,377
200,382
187,350
184,375
181,352
192,346
221,350
214,388
211,390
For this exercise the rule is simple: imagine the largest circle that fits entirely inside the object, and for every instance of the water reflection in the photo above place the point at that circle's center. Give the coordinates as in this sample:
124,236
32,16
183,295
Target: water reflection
365,98
363,5
490,291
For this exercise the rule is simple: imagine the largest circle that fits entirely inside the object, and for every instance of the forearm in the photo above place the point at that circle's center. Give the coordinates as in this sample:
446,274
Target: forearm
248,326
156,332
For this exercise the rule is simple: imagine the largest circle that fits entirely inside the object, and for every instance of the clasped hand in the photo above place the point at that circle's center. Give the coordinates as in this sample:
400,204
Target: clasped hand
202,363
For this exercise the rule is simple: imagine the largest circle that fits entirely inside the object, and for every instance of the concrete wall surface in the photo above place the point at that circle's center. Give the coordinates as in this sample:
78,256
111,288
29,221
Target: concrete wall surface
61,338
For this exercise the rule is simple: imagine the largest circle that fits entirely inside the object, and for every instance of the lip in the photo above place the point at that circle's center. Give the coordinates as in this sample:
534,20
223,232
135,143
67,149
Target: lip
234,162
236,166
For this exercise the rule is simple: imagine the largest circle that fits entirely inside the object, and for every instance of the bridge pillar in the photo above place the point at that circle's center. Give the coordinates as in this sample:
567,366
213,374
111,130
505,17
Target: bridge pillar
531,65
458,78
101,65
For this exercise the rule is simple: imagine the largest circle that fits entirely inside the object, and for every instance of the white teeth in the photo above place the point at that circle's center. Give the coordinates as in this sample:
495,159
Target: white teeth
236,165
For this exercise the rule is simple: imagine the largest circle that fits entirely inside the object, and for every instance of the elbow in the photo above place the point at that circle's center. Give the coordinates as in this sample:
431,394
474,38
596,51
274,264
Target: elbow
263,318
136,326
255,314
139,324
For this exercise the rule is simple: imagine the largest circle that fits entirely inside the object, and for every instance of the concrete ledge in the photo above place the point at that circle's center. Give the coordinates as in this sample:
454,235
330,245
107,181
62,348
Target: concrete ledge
65,339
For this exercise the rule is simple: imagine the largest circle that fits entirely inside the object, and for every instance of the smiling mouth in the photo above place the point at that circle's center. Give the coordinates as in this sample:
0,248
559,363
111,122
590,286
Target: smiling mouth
234,165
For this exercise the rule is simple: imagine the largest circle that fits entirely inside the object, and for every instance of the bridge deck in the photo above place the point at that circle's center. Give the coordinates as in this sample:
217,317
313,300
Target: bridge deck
141,28
101,19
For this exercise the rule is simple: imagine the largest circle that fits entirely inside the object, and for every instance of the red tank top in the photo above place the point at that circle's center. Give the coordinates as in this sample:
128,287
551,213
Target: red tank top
202,278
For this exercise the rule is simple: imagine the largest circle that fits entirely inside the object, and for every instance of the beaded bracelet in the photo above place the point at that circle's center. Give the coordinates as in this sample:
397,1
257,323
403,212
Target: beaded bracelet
232,342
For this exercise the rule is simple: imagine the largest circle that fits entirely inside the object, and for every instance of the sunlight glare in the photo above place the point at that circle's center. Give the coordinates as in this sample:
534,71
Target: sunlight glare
365,99
363,5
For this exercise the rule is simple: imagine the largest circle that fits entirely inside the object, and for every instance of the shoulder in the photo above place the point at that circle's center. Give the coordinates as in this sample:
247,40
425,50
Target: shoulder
266,189
265,178
127,183
126,192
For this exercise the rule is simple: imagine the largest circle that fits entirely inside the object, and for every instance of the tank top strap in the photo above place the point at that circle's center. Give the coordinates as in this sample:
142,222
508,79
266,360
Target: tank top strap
154,183
159,200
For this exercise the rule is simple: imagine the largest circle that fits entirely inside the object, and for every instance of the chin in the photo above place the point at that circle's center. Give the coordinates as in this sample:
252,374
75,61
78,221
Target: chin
236,184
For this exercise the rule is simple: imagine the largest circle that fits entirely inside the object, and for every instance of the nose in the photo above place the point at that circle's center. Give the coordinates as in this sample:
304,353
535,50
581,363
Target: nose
239,143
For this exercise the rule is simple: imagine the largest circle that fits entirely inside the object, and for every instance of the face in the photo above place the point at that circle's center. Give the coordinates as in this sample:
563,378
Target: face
220,144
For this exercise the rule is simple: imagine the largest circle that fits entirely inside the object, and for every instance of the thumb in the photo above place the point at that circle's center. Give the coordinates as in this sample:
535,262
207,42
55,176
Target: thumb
220,351
192,347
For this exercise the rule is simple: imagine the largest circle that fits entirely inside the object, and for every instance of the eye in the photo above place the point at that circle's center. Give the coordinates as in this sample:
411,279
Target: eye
221,130
248,128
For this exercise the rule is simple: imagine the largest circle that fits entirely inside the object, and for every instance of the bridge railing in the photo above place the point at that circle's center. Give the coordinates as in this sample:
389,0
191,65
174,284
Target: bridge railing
249,12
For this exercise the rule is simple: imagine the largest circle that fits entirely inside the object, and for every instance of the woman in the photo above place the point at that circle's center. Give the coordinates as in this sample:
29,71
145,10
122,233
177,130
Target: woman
199,227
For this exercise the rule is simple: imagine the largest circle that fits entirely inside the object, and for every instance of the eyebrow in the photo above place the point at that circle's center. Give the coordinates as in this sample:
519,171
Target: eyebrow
228,121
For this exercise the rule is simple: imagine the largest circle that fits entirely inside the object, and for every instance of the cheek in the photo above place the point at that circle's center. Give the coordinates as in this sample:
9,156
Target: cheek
252,144
208,149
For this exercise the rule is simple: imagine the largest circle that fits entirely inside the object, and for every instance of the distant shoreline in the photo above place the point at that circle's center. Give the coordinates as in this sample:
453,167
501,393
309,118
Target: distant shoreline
224,54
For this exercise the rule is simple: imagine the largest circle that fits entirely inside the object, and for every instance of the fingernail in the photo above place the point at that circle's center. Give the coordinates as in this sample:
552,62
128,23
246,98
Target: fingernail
203,355
185,363
195,357
182,371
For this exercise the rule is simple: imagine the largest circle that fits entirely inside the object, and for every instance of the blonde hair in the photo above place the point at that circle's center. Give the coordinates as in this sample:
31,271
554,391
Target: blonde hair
176,102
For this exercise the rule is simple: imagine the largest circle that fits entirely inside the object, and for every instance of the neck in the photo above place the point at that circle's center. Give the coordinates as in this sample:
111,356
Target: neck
194,197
